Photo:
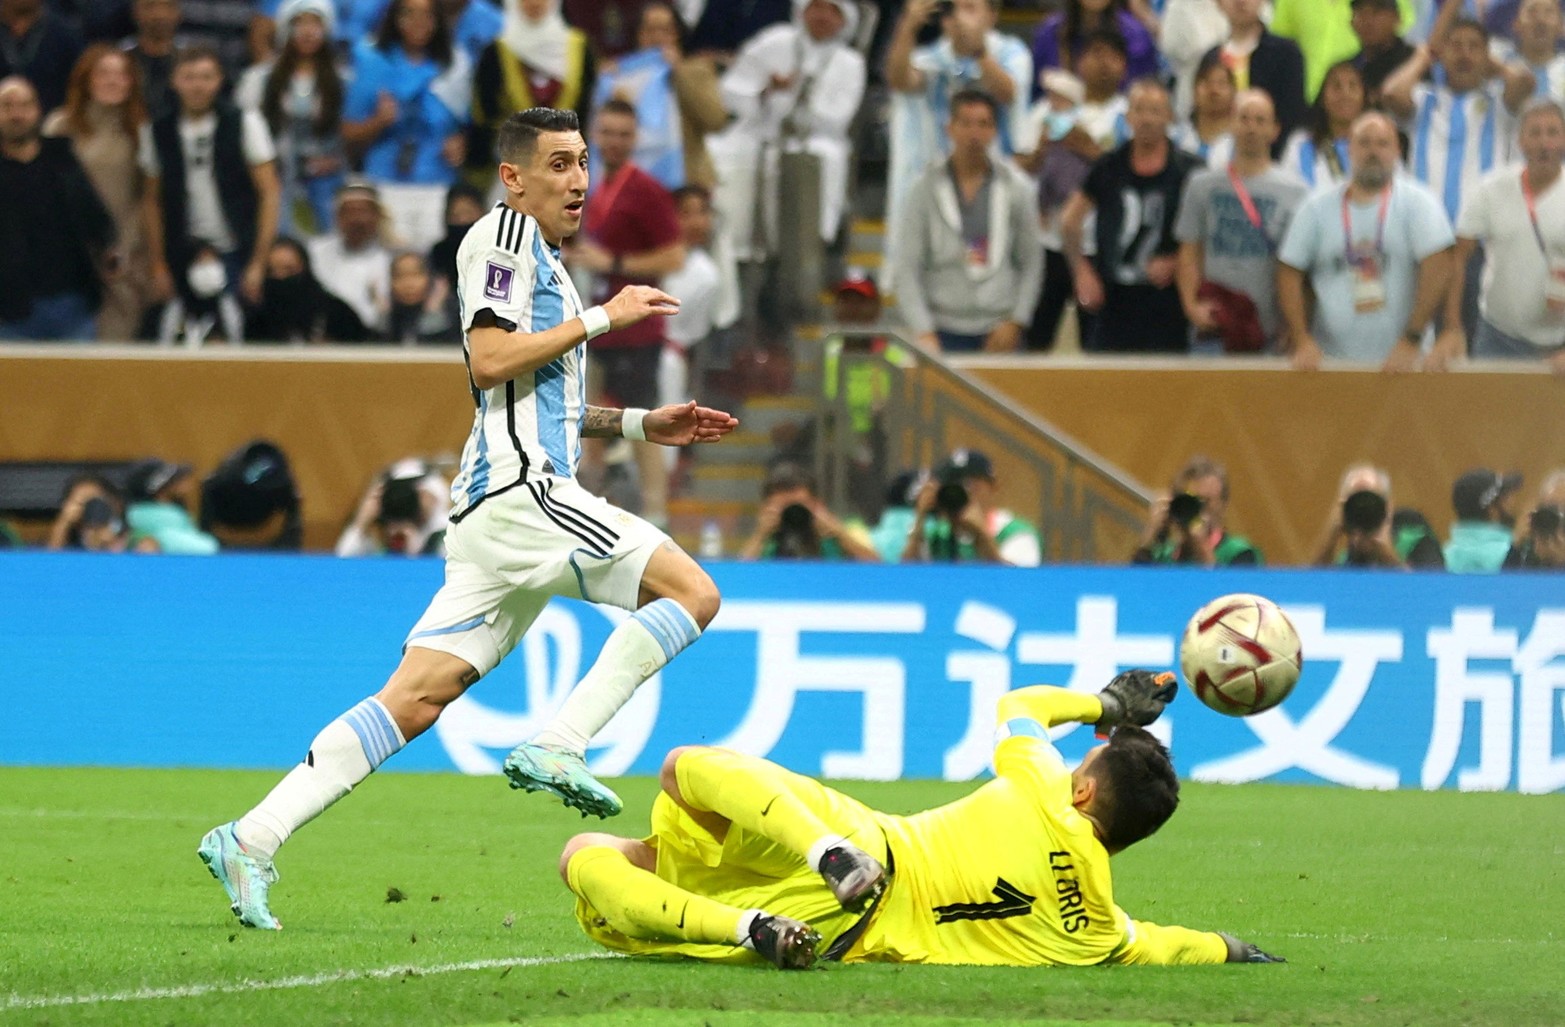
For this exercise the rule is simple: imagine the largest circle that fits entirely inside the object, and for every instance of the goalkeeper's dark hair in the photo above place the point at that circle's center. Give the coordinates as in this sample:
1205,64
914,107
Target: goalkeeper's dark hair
519,133
1142,790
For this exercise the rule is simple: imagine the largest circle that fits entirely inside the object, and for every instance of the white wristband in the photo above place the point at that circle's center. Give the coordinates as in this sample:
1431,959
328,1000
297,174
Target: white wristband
630,425
595,320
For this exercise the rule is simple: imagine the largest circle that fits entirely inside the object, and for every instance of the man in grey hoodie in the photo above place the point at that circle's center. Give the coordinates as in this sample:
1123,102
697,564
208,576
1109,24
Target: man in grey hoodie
969,257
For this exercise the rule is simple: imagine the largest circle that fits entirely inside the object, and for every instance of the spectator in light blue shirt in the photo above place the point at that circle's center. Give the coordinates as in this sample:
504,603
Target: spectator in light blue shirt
1481,536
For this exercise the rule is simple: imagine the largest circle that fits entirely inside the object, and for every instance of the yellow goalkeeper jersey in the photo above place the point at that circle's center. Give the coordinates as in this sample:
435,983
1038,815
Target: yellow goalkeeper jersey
1012,874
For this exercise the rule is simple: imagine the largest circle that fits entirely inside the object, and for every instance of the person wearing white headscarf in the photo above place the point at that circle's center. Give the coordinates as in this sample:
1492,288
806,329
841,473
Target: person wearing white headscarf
300,93
793,87
538,61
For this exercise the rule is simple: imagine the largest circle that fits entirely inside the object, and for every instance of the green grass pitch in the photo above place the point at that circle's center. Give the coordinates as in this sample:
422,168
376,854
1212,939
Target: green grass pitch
1392,908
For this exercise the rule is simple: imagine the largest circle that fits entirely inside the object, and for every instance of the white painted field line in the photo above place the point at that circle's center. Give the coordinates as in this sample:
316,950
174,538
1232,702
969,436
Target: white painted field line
283,983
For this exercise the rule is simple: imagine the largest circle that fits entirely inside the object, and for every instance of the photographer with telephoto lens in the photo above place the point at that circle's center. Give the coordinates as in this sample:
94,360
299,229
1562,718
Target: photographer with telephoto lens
1540,536
795,525
956,518
1363,530
1186,525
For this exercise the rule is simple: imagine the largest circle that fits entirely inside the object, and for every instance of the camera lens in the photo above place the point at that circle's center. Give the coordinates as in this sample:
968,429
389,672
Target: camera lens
1184,508
1364,511
952,498
1547,520
796,517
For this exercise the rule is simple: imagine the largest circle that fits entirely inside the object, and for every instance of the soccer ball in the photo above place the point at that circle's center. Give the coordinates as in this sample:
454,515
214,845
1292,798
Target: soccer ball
1240,654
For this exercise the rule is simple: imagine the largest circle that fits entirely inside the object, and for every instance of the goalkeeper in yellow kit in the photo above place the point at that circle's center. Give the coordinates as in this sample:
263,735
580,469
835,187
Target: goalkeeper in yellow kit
748,861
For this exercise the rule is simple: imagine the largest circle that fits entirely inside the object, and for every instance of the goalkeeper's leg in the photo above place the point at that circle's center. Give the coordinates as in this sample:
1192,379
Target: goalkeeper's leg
717,785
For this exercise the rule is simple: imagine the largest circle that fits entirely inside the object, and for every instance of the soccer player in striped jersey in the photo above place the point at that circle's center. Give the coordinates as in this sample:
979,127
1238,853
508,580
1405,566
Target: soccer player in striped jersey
750,862
522,529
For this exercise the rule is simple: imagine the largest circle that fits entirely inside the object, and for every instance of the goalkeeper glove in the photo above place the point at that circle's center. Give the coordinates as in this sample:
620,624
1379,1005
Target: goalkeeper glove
1241,951
1135,697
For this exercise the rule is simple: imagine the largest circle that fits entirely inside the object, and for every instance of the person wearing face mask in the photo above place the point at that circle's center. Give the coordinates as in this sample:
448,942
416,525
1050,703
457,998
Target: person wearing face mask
464,205
295,307
204,309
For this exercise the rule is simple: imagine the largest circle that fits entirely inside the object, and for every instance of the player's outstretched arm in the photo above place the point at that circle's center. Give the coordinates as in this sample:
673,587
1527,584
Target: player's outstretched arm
682,424
1134,697
497,353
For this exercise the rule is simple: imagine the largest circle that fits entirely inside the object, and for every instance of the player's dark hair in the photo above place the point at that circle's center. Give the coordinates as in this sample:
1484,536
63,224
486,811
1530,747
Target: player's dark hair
519,133
615,105
974,98
1137,784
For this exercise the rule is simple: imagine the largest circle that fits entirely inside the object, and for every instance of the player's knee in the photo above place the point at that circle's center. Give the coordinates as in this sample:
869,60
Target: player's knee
421,687
702,599
668,778
574,846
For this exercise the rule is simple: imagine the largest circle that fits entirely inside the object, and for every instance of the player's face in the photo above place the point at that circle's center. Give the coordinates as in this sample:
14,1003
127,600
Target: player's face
552,185
1543,139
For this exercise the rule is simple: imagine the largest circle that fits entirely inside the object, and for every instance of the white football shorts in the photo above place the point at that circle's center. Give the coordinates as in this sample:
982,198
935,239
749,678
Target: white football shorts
515,551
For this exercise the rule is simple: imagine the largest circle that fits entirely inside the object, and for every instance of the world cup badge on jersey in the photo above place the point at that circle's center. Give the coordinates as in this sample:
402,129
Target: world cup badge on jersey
497,281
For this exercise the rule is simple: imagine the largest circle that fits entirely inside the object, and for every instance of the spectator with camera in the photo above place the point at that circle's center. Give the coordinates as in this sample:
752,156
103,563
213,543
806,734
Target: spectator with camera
1377,253
1188,524
1540,539
1484,504
403,513
251,501
795,525
81,489
970,254
1362,530
1231,222
957,518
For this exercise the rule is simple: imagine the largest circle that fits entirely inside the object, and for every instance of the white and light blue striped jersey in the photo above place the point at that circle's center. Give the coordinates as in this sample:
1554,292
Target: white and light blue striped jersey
1319,166
1458,138
527,428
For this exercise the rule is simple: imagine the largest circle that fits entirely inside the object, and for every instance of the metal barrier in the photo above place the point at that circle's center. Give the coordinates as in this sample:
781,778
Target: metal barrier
898,408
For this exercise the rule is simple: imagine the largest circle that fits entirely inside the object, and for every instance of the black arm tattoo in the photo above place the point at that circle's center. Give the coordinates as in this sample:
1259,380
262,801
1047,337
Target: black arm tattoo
603,423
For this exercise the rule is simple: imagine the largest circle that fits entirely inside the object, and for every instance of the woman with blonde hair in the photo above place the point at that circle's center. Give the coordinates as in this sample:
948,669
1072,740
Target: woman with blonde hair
102,116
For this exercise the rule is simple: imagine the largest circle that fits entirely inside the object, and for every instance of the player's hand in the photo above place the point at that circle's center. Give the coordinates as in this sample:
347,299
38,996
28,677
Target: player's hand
685,423
1135,697
635,303
1240,951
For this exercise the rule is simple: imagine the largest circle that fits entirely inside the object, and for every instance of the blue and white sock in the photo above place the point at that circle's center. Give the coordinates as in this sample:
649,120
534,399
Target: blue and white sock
637,649
347,750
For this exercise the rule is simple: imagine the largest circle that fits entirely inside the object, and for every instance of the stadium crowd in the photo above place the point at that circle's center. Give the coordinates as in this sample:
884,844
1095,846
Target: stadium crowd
1365,181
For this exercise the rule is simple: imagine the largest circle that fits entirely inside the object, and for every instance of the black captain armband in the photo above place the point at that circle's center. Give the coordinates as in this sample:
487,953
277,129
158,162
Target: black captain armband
487,318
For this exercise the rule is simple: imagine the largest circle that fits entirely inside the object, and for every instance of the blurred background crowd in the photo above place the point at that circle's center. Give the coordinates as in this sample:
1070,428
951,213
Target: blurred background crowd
1355,182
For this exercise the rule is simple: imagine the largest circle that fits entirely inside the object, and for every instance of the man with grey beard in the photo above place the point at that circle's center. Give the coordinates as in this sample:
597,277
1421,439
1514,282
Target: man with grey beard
1377,250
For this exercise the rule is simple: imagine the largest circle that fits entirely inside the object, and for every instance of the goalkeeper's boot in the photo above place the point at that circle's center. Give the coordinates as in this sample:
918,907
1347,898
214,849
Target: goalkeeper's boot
787,944
854,876
244,877
550,768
